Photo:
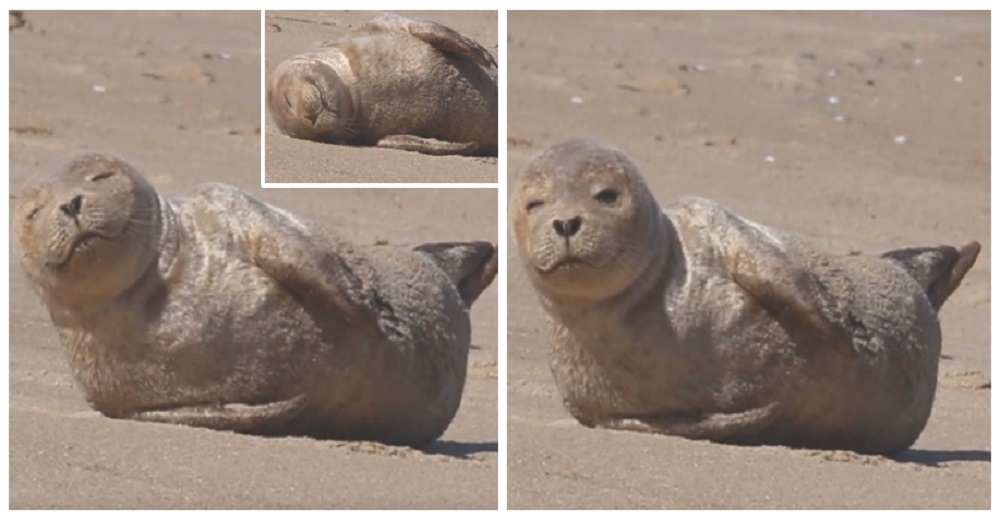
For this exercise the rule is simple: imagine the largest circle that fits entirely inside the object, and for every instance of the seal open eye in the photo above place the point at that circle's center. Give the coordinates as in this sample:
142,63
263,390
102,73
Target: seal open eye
533,205
101,176
34,213
607,196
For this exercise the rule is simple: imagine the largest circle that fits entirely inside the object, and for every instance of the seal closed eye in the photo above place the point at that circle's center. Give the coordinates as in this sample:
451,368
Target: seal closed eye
217,310
693,321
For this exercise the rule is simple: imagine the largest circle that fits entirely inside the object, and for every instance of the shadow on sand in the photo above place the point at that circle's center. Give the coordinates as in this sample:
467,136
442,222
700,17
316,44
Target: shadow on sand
461,450
934,458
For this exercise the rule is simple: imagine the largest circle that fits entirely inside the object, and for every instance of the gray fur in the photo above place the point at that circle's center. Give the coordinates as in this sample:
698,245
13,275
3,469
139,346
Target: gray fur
693,321
215,309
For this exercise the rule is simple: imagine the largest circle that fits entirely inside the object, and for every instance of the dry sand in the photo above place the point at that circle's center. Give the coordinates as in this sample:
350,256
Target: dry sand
294,160
699,101
182,129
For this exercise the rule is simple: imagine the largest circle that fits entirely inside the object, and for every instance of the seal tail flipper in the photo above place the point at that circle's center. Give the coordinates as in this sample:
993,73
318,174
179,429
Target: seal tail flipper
472,266
426,145
233,417
443,38
939,270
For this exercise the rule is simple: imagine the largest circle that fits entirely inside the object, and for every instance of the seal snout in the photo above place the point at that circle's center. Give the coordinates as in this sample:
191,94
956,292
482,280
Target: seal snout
568,227
72,208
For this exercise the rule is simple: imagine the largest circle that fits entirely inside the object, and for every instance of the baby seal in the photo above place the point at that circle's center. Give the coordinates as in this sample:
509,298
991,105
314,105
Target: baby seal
393,83
693,321
218,310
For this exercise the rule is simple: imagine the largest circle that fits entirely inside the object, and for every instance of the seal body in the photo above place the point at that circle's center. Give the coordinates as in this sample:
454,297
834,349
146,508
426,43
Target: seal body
232,314
392,82
694,321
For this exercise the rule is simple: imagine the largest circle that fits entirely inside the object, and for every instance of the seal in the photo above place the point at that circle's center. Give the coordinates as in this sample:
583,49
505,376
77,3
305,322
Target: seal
392,82
217,310
696,322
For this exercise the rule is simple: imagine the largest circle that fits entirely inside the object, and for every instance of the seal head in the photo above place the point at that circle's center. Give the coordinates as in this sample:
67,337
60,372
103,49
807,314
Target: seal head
574,201
90,229
309,97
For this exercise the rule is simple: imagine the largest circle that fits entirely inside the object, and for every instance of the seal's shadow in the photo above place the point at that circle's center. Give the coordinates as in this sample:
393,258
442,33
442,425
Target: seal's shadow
934,458
460,450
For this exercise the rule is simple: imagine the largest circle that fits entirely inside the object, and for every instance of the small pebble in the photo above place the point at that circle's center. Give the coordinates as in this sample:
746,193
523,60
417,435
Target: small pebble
959,79
225,56
833,100
769,158
700,68
831,72
840,118
100,88
901,139
576,99
918,61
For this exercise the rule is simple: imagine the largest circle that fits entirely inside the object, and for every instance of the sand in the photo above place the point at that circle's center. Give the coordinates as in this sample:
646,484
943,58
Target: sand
178,94
700,102
295,160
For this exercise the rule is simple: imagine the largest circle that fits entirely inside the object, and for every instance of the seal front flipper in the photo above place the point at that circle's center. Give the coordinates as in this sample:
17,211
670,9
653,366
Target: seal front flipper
710,427
318,277
426,145
939,270
472,266
790,292
234,417
305,266
438,36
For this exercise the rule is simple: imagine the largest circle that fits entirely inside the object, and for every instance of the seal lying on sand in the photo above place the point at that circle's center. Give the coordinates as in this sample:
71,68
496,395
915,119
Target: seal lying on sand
218,310
693,321
394,83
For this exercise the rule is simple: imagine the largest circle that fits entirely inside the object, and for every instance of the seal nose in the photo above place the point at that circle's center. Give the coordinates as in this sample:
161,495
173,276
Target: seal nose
72,208
567,228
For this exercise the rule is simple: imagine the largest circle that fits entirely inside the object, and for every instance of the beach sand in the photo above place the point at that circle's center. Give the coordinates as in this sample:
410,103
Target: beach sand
743,108
178,95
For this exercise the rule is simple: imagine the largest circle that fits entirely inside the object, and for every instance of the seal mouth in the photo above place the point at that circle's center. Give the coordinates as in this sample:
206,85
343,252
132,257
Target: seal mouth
81,242
565,264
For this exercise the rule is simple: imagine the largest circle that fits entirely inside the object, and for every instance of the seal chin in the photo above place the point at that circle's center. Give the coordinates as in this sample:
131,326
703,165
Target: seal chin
82,242
569,263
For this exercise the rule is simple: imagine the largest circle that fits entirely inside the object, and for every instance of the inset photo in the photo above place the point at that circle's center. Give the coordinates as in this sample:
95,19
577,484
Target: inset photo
380,97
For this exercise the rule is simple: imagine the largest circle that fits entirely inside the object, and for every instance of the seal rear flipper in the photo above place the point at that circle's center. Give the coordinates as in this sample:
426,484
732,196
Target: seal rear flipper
793,295
426,145
472,266
717,427
233,417
939,270
442,38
